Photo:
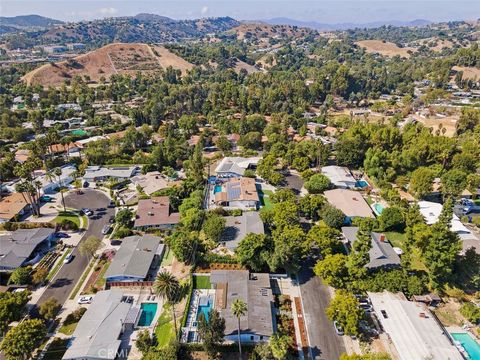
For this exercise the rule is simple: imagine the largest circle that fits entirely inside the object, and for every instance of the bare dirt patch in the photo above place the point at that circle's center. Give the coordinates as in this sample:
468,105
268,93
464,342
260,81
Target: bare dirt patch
469,73
449,123
384,48
166,58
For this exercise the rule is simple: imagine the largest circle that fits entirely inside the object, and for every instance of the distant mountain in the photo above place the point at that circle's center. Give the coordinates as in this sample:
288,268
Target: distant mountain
142,28
28,21
343,26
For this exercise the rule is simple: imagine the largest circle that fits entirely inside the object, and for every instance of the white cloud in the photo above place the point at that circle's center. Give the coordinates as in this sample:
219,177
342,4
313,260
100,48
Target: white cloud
204,10
107,11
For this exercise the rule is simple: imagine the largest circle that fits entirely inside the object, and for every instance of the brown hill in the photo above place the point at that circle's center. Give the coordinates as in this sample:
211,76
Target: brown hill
384,48
118,58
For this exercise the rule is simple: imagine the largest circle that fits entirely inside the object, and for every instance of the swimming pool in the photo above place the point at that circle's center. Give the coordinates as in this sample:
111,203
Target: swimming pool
469,344
148,313
217,189
361,184
204,308
378,208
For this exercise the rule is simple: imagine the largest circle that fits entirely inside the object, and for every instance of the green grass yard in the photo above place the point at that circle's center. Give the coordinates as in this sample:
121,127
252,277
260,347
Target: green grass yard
397,239
265,198
68,215
164,330
167,258
201,282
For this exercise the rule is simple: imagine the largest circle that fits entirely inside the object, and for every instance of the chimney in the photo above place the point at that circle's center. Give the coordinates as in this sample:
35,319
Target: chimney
382,237
422,315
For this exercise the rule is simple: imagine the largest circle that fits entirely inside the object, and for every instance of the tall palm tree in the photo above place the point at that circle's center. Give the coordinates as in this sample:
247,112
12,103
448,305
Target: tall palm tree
239,309
167,286
58,174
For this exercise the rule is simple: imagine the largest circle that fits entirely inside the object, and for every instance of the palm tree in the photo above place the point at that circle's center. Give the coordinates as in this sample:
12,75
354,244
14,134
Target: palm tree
167,286
58,174
239,309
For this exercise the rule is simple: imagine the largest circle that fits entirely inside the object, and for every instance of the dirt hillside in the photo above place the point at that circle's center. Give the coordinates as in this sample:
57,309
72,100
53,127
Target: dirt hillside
384,48
118,58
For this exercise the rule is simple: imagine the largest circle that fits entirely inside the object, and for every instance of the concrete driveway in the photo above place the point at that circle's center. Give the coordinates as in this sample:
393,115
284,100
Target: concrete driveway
325,344
69,274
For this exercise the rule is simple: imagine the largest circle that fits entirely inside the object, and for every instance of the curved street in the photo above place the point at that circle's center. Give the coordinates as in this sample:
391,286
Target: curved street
65,280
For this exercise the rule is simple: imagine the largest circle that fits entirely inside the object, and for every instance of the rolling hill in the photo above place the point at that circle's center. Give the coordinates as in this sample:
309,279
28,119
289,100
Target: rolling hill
28,21
117,58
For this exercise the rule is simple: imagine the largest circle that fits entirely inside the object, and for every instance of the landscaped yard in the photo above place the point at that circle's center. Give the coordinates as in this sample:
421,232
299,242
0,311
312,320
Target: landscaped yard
201,282
397,239
164,330
72,216
265,198
167,258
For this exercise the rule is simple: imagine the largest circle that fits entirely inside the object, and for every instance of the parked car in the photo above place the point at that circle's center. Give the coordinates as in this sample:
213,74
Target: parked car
338,328
85,184
111,204
62,235
46,198
111,220
68,258
366,307
87,212
106,229
85,300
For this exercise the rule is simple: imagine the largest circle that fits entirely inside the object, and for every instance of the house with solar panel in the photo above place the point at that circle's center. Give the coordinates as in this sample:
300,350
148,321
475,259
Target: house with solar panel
237,194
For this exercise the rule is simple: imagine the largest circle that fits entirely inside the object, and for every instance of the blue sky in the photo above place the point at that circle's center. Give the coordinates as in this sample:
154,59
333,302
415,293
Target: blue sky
326,11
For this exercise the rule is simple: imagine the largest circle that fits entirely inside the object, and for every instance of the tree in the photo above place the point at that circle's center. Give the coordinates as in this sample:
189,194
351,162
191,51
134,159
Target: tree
453,182
239,309
58,173
167,286
12,306
289,248
124,217
344,309
253,251
145,342
223,144
213,226
49,309
421,182
333,270
326,238
317,184
471,312
310,206
211,332
282,195
369,356
20,276
332,216
182,244
21,340
280,344
89,246
391,219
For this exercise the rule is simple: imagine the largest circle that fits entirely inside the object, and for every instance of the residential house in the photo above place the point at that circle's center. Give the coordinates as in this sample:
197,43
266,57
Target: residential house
136,259
350,202
381,254
12,206
155,213
237,194
412,328
255,290
98,334
339,176
21,155
66,178
237,228
235,166
99,173
152,182
24,246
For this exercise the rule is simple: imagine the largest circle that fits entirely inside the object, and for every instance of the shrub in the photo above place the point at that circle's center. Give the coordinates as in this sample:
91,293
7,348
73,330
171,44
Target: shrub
471,312
67,224
75,316
332,216
317,183
122,232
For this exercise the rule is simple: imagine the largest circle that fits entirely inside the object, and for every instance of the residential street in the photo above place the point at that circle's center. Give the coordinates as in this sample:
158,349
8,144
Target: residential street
325,344
69,274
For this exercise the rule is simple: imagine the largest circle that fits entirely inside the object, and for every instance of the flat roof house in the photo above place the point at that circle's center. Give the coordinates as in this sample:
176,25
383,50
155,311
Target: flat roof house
13,205
99,173
151,182
414,331
98,333
339,176
254,289
381,253
135,259
155,213
238,194
235,166
23,247
237,227
350,202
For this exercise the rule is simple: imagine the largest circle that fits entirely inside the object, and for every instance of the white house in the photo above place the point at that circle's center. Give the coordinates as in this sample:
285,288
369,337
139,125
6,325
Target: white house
51,185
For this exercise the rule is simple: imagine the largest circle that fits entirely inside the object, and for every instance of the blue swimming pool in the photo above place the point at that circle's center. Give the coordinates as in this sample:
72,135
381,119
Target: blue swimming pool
148,313
217,189
378,208
204,309
361,184
469,344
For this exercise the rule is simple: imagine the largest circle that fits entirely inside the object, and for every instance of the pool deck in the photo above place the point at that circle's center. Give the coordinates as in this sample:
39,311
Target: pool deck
191,324
461,330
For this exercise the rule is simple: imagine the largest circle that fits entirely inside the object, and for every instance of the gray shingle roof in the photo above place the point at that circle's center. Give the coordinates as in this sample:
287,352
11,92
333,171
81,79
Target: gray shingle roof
98,331
135,256
237,227
255,290
381,253
17,247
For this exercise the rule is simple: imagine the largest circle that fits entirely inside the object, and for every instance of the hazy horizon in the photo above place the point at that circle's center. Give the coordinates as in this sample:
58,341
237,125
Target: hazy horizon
323,11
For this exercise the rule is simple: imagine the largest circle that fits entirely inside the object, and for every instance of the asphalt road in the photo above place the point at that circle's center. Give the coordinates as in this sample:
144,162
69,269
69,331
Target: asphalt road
325,344
69,274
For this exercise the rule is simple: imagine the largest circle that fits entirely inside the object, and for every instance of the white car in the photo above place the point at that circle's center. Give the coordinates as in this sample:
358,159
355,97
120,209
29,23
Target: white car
85,300
68,258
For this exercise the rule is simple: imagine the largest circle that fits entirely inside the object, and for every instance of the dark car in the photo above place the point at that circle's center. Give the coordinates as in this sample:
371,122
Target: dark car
111,220
86,184
62,235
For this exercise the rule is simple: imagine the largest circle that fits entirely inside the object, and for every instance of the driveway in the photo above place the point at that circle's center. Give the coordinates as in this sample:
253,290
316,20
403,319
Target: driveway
69,274
325,344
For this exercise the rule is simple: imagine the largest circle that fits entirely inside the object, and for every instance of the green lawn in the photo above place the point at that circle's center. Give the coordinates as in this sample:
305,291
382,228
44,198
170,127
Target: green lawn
167,258
68,215
164,330
52,272
201,282
265,198
397,239
68,329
